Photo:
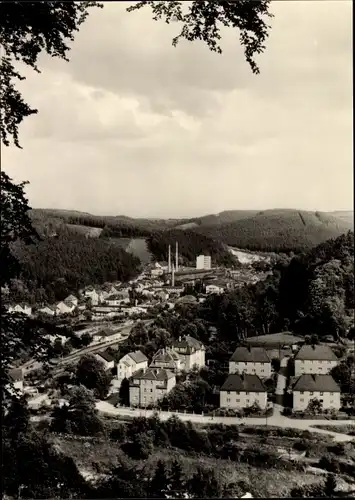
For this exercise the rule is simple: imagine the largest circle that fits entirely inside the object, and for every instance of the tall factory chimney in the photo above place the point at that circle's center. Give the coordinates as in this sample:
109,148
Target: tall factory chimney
169,260
177,257
173,276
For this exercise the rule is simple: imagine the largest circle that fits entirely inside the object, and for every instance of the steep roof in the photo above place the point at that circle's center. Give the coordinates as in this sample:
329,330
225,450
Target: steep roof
316,353
250,355
70,298
16,374
160,374
243,383
316,383
165,356
188,341
138,356
106,356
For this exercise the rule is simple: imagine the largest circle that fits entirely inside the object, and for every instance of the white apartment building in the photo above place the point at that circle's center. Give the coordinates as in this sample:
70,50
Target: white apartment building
190,351
320,387
148,385
203,262
250,360
317,359
242,391
129,364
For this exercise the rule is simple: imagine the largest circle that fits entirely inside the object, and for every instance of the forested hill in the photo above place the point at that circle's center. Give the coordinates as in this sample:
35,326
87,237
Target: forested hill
270,230
316,290
278,230
57,266
311,294
190,245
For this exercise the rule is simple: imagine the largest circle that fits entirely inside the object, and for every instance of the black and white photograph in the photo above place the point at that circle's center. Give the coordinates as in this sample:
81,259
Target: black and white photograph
177,249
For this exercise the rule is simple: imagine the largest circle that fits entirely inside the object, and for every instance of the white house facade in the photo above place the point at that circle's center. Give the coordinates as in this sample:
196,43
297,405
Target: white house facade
320,387
242,391
315,359
250,360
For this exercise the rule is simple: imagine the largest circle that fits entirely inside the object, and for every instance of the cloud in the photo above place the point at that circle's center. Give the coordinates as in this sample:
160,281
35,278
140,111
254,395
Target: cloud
133,125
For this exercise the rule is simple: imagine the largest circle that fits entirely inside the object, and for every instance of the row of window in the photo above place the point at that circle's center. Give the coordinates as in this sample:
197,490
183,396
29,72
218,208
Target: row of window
313,361
321,393
246,363
238,393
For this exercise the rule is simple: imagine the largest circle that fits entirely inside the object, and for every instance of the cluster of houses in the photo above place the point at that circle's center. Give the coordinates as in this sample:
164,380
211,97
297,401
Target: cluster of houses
250,366
148,384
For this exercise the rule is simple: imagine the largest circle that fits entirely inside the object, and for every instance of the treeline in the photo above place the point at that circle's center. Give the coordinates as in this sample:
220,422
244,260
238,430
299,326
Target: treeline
55,267
191,245
286,231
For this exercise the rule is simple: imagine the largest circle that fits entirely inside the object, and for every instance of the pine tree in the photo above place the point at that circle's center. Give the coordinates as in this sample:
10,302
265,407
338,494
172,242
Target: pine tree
176,480
159,483
330,485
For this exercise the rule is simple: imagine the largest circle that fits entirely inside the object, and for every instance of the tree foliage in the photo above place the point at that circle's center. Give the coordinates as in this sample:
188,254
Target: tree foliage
90,373
26,30
60,266
204,20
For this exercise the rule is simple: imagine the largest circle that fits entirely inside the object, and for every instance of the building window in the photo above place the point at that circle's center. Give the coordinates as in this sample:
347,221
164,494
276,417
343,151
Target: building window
151,390
238,393
332,393
311,393
228,392
145,390
237,400
301,399
228,400
247,393
321,393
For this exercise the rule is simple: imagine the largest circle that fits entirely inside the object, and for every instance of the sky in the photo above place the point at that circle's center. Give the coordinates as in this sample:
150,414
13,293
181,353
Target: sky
132,125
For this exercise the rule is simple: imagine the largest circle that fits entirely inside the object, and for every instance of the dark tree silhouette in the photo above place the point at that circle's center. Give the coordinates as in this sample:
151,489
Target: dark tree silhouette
203,20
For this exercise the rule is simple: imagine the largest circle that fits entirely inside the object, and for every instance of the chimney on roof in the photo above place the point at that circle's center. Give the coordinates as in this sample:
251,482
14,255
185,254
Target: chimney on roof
180,338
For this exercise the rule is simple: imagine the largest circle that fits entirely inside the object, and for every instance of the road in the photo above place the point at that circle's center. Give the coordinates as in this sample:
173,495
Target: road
275,420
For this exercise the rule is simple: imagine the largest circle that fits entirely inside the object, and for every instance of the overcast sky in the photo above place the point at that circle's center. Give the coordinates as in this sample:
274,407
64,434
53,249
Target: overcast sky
134,126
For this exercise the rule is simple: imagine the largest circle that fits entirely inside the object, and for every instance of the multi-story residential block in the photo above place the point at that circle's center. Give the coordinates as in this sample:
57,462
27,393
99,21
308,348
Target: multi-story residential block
129,364
190,351
168,359
241,391
250,360
148,385
317,359
320,387
203,262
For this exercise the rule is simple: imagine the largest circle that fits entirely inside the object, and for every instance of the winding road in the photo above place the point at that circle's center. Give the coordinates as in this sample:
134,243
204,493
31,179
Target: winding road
277,420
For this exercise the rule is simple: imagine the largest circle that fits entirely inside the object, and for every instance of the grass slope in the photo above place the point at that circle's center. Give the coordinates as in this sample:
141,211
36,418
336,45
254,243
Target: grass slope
278,230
